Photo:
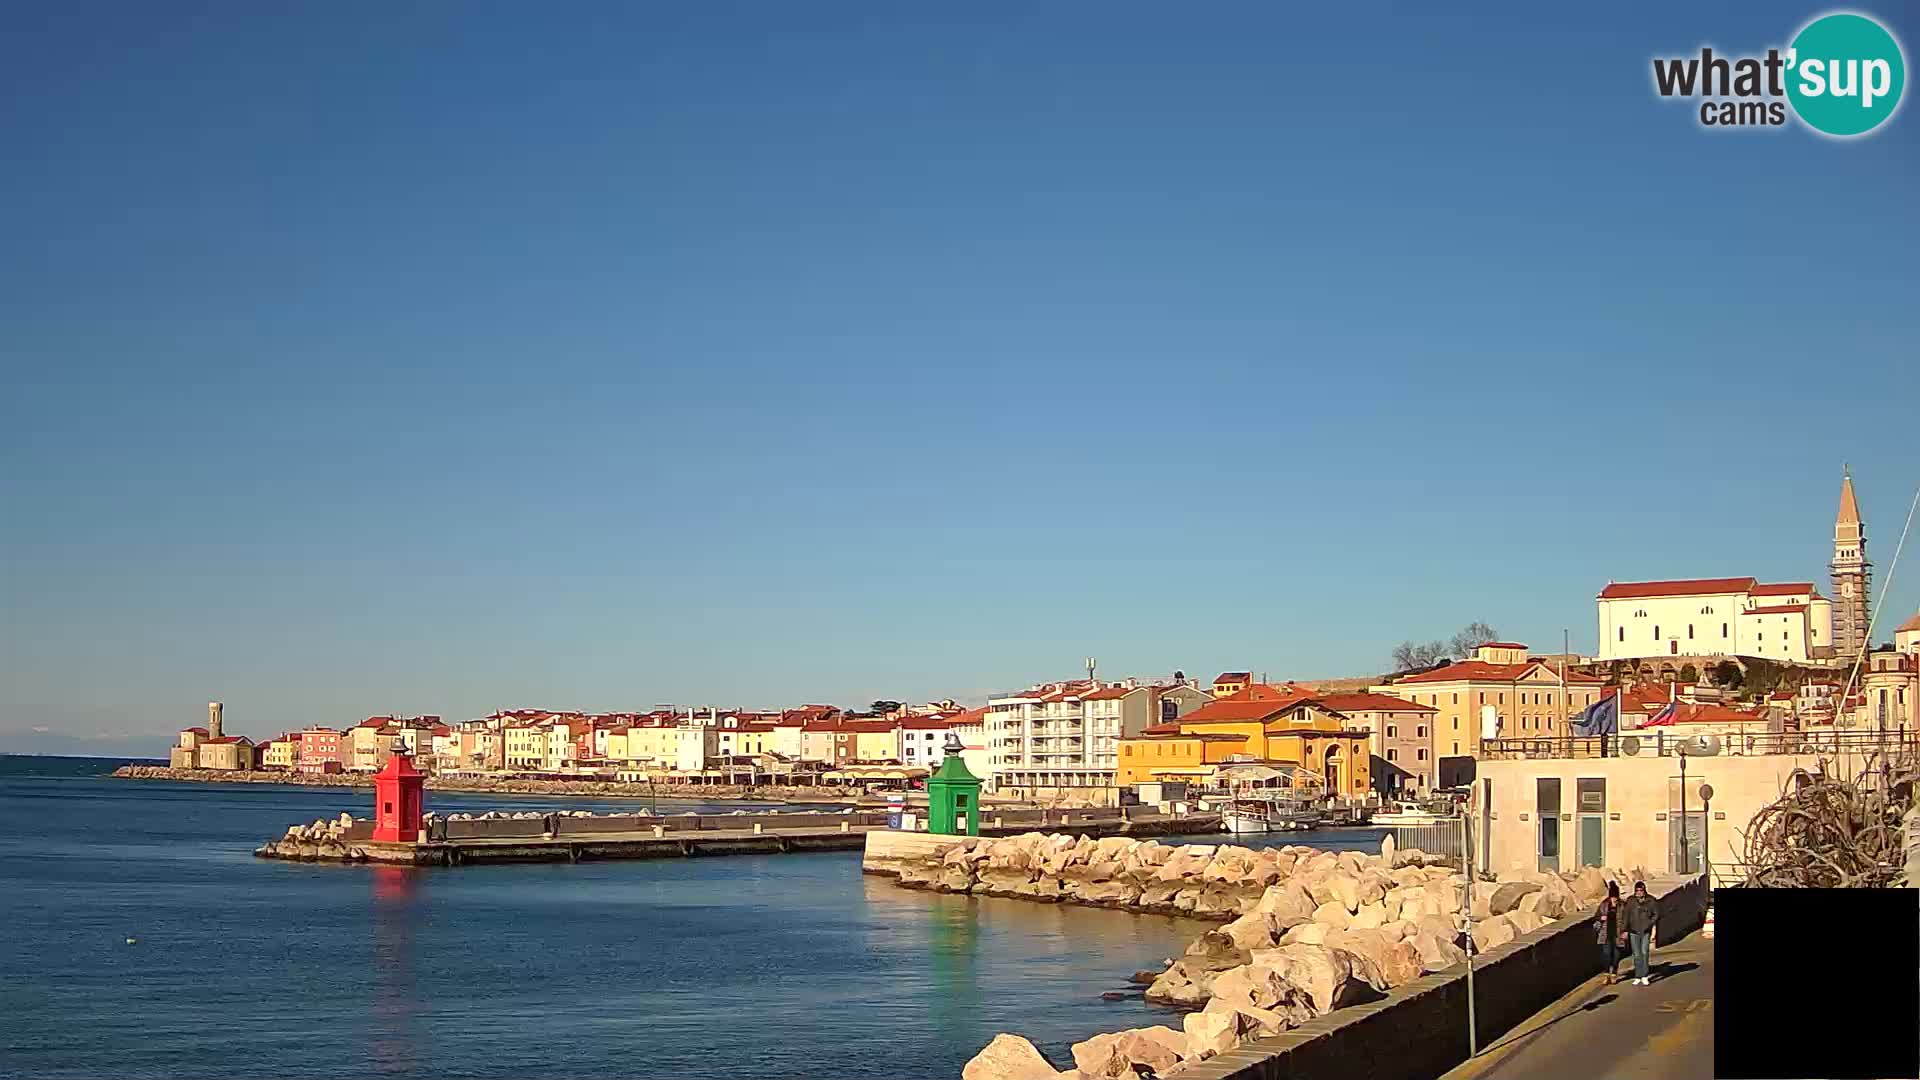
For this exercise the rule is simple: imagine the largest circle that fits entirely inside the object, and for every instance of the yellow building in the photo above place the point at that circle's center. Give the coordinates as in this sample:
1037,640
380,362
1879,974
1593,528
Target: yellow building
1266,724
1526,696
526,746
233,752
618,745
281,753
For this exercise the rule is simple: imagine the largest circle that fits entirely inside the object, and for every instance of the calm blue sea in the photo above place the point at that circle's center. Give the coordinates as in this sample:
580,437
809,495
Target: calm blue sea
755,966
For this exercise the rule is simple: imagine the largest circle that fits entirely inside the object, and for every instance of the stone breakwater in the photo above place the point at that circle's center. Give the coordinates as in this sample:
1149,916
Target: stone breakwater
1308,932
598,788
325,840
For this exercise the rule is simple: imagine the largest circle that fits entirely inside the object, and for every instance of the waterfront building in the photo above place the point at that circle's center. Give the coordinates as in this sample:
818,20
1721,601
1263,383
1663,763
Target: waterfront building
875,742
1401,737
688,749
922,740
823,741
1062,739
525,746
319,751
211,747
1526,694
1561,803
281,753
1283,725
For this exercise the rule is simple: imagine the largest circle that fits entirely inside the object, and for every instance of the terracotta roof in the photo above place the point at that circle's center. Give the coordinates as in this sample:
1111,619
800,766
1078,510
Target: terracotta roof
1627,590
1171,728
227,739
1685,713
971,716
1481,671
1778,609
1237,708
195,730
925,723
1234,676
868,726
1908,626
1370,702
1789,588
1270,692
1109,693
1503,645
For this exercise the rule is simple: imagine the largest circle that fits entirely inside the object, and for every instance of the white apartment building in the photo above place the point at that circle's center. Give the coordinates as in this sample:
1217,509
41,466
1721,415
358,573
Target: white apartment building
1063,739
1790,622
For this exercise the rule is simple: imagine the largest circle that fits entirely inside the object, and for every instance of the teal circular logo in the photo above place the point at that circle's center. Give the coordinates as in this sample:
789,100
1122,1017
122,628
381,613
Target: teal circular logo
1845,74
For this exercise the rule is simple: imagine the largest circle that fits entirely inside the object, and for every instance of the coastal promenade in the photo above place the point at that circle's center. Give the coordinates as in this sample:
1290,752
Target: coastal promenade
1663,1031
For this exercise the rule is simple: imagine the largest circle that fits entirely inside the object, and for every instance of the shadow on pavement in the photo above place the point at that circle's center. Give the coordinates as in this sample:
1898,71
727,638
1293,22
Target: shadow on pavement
1658,972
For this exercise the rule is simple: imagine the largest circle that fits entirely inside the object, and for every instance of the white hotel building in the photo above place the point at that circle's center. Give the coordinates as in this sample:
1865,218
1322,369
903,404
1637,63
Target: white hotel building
1062,739
1790,623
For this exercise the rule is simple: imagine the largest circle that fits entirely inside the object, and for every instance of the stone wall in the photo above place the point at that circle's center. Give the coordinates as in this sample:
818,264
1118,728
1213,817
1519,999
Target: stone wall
1419,1031
1312,934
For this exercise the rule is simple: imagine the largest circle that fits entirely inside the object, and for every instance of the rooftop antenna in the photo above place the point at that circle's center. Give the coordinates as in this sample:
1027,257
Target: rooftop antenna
1092,666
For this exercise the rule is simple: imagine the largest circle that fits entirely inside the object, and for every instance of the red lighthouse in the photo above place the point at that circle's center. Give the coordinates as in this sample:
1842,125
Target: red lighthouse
397,800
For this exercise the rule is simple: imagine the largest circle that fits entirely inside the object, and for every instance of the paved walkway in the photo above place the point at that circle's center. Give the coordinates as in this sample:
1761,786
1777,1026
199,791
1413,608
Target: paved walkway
1663,1031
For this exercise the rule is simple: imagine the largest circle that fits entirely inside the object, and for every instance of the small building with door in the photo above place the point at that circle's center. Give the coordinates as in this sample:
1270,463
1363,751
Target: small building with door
1560,805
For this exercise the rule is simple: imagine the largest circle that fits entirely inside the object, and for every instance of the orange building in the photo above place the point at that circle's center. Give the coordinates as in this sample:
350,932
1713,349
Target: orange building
1272,725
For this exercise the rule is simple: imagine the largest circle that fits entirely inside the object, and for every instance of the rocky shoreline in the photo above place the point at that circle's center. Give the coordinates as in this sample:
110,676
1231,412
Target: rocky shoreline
1307,932
588,788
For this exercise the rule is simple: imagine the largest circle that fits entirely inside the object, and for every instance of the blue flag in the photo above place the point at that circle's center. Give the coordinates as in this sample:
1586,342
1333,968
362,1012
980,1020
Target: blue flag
1600,718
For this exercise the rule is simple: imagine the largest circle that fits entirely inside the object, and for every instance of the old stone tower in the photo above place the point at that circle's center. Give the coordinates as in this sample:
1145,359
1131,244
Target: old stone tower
213,720
1852,573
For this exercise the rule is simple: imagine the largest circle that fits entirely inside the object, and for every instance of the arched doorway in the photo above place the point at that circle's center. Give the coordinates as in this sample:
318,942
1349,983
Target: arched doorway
1333,770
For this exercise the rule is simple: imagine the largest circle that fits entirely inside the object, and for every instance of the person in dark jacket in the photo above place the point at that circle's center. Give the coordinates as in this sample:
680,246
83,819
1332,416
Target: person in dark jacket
1610,930
1643,930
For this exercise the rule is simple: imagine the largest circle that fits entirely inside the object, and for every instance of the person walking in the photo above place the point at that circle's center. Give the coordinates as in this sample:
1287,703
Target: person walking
1643,930
1610,930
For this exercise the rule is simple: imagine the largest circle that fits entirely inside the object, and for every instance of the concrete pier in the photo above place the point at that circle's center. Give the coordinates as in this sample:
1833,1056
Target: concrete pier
559,838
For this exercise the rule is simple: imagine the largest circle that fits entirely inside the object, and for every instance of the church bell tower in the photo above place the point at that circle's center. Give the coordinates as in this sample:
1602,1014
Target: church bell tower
1852,574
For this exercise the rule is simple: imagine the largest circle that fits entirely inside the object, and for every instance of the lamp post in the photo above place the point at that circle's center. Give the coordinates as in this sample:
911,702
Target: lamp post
1466,922
1706,835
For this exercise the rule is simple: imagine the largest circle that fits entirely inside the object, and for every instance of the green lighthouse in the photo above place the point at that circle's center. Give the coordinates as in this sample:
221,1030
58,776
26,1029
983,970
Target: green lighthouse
953,795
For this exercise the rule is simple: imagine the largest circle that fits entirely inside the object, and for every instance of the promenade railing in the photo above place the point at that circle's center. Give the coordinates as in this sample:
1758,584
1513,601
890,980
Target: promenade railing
1666,742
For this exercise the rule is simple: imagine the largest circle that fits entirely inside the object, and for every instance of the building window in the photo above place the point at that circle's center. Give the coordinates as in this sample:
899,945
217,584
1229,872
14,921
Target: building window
1421,755
1689,631
1392,732
1623,633
1723,630
1456,699
1393,755
1656,631
1420,732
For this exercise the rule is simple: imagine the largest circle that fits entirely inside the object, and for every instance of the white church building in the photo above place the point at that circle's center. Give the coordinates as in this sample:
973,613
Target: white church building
1790,623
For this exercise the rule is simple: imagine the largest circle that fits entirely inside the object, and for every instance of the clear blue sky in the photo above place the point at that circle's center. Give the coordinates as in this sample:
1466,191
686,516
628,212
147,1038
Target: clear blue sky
437,357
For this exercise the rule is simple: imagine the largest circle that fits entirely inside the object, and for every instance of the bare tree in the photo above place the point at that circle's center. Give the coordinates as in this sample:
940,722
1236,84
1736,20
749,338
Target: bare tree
1412,656
1472,636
